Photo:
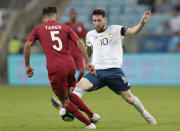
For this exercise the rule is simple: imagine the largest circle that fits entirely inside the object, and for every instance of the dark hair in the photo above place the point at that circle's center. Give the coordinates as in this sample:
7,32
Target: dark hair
99,12
49,10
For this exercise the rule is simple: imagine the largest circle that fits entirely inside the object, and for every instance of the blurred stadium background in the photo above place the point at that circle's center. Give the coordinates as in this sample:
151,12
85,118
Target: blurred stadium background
152,58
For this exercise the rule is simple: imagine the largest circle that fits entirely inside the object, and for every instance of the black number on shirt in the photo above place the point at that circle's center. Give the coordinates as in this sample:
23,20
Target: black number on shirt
104,41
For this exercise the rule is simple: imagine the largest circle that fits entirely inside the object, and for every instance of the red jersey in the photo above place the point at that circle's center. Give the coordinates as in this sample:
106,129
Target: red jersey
78,29
54,37
81,32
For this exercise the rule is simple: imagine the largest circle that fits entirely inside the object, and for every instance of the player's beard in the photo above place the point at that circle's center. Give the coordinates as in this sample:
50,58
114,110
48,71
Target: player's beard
101,29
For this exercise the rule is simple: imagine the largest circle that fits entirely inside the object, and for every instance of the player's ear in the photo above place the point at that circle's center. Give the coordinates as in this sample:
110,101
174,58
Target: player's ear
106,20
42,18
57,16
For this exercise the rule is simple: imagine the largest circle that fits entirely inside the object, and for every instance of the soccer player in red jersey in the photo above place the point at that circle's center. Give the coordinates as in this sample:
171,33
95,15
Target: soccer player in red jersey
79,29
53,37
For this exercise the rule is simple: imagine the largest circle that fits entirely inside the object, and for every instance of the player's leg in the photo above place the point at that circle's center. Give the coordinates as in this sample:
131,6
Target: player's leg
117,82
76,99
89,83
133,100
78,102
75,96
60,88
83,85
71,108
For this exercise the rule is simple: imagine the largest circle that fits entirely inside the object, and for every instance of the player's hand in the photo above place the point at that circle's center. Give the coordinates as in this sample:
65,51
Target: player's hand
29,71
146,16
90,68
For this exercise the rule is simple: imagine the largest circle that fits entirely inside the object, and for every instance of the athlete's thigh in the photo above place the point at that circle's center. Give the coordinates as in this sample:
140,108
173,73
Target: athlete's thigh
90,82
84,84
116,81
71,77
59,83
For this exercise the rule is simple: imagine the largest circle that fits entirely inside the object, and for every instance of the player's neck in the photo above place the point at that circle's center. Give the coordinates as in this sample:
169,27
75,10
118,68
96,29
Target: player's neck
105,27
73,22
51,19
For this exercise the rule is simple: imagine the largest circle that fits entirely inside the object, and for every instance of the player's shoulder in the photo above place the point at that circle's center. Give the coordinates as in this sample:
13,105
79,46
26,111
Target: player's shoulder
36,28
115,26
66,23
91,33
80,23
64,26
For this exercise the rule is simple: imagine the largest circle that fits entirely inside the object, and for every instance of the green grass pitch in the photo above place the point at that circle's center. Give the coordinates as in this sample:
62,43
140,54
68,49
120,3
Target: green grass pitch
29,109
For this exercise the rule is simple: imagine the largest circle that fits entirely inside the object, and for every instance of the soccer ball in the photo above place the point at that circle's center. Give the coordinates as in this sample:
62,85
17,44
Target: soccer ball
66,116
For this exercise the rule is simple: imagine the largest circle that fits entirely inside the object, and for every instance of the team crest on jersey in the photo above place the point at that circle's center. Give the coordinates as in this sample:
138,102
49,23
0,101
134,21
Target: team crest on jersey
79,29
110,34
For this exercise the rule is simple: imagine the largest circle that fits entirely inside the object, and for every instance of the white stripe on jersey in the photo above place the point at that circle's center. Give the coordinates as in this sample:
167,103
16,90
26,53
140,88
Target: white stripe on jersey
107,47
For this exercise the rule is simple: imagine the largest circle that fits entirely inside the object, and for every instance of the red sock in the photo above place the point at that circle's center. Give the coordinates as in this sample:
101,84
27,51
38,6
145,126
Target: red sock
71,108
80,104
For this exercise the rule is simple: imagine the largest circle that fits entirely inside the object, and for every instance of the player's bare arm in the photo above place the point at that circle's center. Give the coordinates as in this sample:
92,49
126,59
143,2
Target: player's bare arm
27,51
89,50
88,65
134,30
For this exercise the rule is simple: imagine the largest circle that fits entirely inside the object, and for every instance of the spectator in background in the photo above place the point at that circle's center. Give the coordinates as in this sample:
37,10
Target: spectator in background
178,6
164,28
150,3
174,43
175,21
164,6
14,46
79,29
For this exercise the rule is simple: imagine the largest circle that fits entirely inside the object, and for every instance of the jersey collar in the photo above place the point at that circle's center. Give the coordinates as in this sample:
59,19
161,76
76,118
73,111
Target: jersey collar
102,30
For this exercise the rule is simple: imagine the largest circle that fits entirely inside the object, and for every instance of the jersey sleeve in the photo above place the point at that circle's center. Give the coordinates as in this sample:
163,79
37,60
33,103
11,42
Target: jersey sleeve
73,36
88,40
33,36
121,30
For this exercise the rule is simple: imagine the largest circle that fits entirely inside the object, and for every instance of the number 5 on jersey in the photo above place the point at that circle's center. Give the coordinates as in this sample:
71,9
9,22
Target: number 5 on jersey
55,38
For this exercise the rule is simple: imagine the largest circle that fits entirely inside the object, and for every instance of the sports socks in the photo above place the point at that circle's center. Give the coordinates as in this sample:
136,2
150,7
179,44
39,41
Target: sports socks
138,105
80,104
71,108
78,92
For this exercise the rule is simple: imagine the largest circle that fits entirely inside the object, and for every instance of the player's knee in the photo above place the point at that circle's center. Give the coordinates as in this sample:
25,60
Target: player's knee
84,84
80,84
130,100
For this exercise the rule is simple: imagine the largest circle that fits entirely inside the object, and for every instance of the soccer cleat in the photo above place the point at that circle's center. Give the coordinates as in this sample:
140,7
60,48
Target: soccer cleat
95,118
91,126
57,104
149,118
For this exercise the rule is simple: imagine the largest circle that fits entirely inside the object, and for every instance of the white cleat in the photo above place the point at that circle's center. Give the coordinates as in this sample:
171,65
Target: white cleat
91,126
95,118
149,118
